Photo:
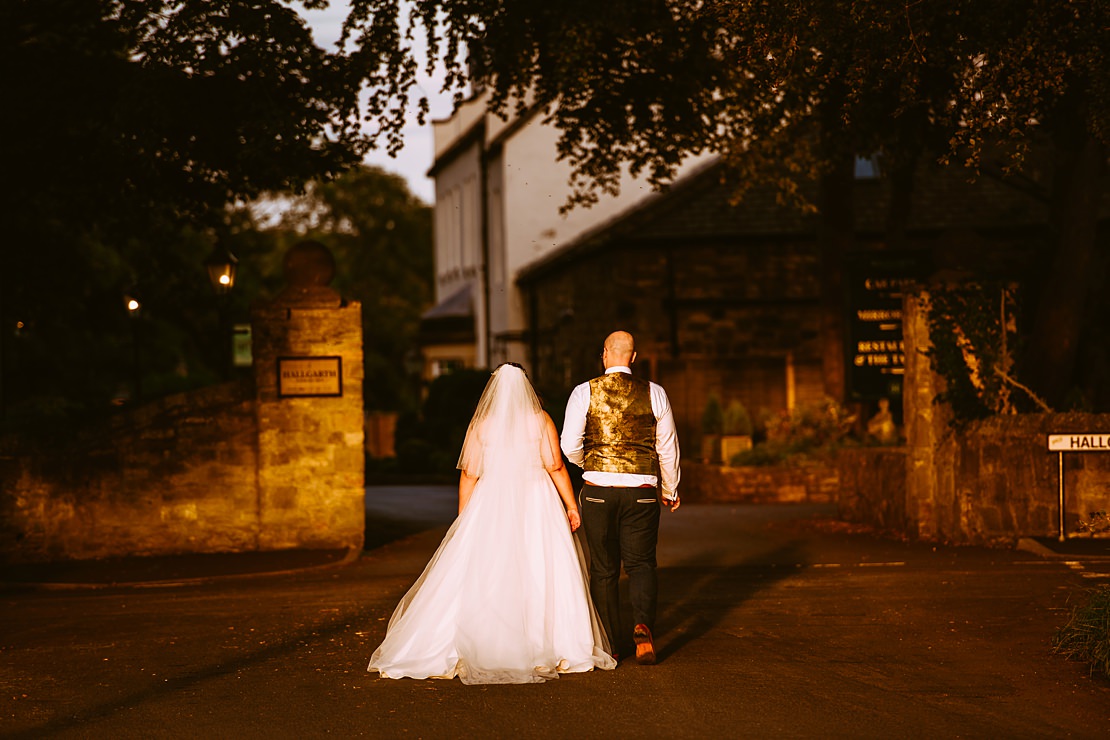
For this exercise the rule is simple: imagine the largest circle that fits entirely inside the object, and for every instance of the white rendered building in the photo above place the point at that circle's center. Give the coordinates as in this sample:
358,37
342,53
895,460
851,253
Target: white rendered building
499,188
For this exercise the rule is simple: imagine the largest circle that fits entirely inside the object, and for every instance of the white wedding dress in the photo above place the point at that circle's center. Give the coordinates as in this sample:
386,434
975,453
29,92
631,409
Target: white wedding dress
505,598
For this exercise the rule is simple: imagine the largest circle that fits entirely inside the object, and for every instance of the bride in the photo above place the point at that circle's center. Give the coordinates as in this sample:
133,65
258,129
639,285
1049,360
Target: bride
505,598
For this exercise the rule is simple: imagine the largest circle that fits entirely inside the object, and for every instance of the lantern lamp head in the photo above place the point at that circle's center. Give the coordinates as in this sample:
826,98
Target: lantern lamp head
222,266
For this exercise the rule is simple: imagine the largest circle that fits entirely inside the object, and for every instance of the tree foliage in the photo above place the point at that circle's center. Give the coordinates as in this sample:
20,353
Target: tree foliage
135,123
131,125
381,237
647,82
429,439
788,92
628,81
974,341
152,106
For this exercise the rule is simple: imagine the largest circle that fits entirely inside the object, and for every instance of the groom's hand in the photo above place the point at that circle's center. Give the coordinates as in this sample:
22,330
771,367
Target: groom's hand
673,503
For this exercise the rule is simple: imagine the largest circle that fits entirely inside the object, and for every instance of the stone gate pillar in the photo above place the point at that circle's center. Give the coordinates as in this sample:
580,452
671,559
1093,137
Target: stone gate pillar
926,423
307,347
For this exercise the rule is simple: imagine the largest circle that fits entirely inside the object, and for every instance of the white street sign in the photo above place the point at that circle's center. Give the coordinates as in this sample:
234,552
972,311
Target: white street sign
1079,442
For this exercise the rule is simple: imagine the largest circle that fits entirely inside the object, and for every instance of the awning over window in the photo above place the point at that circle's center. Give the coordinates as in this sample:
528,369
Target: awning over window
457,304
450,321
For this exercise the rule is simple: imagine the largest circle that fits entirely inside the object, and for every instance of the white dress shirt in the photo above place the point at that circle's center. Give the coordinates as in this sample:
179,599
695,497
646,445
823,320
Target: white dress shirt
666,440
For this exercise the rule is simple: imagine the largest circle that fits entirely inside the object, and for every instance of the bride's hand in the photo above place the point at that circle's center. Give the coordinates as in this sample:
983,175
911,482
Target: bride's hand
575,519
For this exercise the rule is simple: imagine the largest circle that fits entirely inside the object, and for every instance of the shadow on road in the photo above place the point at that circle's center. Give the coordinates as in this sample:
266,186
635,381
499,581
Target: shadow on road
724,558
381,531
295,643
695,599
395,512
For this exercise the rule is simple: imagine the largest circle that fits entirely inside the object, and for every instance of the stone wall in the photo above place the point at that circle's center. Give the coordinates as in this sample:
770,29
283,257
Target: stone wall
176,475
997,479
761,484
926,422
873,487
736,318
311,472
251,465
988,481
994,481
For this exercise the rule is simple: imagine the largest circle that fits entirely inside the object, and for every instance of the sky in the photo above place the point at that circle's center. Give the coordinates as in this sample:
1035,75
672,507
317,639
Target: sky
415,159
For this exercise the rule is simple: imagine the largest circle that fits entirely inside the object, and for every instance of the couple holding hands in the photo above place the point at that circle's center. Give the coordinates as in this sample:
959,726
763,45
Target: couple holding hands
507,597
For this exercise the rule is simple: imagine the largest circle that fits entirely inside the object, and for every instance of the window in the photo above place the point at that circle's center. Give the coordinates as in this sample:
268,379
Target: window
445,366
867,168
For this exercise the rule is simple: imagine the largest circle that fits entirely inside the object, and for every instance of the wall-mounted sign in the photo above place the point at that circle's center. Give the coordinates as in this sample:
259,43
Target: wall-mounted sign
876,352
310,376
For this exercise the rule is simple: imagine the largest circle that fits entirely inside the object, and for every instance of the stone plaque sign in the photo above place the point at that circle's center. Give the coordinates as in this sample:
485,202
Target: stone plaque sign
310,376
1079,443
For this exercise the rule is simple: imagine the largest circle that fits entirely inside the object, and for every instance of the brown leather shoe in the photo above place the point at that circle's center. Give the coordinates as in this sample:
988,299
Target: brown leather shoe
645,650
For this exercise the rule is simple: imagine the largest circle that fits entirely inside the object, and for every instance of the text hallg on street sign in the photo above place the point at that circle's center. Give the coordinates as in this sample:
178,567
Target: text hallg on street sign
1079,442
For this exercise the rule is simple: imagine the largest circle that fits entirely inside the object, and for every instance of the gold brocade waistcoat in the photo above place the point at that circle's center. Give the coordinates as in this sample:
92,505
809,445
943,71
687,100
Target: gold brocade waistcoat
620,426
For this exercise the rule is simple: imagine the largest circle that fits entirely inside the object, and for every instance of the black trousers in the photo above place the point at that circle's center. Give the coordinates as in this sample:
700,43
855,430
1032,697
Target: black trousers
621,525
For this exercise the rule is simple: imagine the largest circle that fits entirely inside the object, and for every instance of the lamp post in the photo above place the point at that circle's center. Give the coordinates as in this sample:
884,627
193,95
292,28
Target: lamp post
133,310
222,267
3,354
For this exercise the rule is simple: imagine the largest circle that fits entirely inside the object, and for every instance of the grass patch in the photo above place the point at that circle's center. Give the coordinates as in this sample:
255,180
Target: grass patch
1086,636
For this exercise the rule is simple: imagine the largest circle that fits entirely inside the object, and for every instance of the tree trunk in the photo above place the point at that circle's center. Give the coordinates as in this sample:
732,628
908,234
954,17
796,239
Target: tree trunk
899,208
1058,321
836,235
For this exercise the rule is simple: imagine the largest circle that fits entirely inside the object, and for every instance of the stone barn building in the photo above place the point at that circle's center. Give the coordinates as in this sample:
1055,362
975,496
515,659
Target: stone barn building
735,300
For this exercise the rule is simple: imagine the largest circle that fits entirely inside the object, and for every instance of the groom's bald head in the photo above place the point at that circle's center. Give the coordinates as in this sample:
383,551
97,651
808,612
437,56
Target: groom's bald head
620,349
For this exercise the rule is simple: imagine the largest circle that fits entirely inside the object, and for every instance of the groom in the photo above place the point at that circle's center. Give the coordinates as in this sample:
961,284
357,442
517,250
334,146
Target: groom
619,429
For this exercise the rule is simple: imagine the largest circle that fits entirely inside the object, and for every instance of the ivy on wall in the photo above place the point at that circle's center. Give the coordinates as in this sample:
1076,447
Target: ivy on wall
975,341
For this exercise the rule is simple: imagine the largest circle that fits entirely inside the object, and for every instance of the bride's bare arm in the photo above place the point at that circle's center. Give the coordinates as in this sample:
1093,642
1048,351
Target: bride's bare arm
466,487
559,475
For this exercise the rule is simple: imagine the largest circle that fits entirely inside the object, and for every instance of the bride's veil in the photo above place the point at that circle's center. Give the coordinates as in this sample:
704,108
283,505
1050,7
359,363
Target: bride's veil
506,430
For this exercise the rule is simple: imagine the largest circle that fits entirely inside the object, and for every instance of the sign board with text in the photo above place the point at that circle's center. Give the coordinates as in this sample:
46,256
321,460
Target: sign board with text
310,376
1079,443
241,345
875,351
1074,442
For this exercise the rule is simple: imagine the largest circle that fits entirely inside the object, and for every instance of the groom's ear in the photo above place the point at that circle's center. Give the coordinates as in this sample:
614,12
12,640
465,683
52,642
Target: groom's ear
633,359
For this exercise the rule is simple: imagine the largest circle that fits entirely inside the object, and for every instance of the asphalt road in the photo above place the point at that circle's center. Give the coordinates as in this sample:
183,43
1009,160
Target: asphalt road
775,621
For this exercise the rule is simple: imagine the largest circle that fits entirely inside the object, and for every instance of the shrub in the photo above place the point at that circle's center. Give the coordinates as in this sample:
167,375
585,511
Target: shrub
810,427
762,454
803,433
712,418
737,420
1086,636
429,442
